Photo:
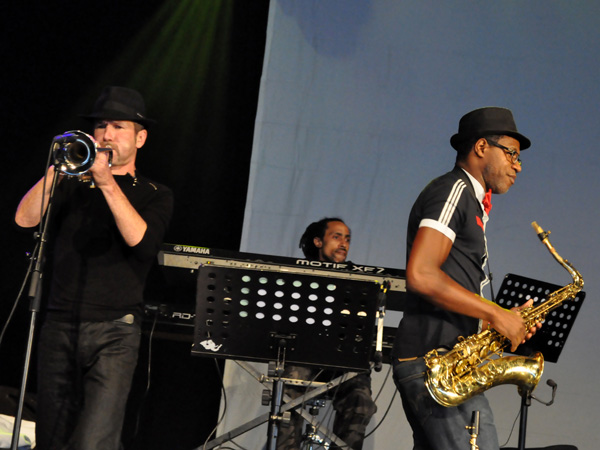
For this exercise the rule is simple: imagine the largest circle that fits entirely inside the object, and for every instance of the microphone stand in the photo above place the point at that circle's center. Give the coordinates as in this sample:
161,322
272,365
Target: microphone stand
474,430
381,298
526,396
525,404
35,296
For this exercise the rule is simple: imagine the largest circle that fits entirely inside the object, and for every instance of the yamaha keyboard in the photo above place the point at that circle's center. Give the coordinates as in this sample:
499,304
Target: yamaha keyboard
192,257
170,294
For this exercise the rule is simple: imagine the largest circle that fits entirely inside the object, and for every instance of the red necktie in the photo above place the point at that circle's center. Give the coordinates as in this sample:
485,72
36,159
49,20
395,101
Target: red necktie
487,201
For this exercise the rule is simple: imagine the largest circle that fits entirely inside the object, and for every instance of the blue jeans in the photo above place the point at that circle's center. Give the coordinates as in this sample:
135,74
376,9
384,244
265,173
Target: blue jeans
84,377
437,427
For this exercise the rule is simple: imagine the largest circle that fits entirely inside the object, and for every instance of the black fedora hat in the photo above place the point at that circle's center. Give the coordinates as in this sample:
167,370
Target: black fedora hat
120,103
487,122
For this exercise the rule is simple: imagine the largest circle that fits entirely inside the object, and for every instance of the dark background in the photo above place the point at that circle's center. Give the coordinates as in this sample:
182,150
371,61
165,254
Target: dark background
56,58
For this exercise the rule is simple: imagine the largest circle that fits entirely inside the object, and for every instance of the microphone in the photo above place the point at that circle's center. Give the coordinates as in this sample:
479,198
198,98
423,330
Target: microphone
474,430
65,137
378,361
378,357
554,386
475,422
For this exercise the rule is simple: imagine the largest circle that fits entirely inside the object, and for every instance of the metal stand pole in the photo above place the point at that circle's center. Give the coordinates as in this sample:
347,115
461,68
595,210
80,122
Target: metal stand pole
525,404
275,415
35,295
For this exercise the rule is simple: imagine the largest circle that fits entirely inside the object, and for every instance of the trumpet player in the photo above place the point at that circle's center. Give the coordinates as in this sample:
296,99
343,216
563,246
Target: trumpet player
446,273
103,242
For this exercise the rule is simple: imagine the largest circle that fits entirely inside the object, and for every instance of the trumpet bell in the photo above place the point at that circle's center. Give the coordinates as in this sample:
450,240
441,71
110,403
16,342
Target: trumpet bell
75,152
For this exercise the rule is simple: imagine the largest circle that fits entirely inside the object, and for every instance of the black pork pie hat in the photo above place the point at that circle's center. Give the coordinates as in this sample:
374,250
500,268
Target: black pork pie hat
120,103
487,122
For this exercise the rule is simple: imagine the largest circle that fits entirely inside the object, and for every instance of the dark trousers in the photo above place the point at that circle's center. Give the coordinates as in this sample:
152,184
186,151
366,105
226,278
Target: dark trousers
84,377
437,427
352,403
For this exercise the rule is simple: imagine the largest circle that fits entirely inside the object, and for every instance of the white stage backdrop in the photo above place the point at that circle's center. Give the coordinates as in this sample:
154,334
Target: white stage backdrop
358,101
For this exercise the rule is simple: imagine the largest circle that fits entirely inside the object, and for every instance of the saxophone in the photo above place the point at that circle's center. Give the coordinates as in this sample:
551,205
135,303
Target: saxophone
476,364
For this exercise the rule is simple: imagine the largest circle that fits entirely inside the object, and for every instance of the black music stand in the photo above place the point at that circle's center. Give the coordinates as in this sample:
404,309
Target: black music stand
550,339
260,315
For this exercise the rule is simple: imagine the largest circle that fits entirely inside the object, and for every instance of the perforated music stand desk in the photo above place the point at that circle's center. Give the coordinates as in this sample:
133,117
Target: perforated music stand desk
263,315
550,339
323,320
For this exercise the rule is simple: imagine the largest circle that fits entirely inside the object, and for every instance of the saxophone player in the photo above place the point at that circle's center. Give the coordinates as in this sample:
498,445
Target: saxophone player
446,273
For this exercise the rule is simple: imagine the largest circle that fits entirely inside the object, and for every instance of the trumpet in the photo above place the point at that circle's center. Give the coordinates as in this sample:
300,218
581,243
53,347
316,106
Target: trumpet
74,153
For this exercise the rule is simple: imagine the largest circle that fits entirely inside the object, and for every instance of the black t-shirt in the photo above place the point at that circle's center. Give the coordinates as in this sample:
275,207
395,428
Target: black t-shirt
449,205
95,275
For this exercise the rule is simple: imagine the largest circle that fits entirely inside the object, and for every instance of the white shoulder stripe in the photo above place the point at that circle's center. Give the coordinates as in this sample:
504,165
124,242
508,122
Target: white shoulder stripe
452,202
446,231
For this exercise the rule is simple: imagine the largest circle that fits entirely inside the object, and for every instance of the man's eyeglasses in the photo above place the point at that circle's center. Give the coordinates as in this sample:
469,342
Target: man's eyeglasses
512,154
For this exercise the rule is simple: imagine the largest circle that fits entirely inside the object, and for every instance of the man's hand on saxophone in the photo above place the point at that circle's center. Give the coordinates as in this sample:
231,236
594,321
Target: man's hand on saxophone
511,325
533,328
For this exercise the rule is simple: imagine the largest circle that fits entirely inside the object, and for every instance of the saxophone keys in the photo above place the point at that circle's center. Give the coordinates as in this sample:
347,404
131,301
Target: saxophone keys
461,366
